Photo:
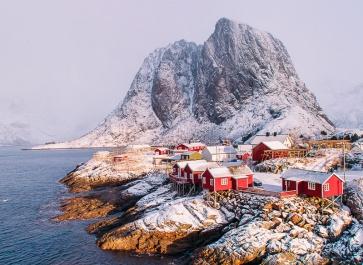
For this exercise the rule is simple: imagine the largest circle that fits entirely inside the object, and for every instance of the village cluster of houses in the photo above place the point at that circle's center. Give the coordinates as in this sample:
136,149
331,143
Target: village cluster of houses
223,167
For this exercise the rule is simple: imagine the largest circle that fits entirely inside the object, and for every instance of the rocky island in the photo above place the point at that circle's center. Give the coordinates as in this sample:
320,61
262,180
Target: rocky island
138,211
239,83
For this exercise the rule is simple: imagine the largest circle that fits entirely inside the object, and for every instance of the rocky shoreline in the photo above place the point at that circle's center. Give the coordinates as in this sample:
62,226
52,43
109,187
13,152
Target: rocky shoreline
142,214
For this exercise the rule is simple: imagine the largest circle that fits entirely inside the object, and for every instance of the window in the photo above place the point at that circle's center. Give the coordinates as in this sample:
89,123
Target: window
224,181
326,187
179,172
204,181
287,184
311,186
211,182
185,175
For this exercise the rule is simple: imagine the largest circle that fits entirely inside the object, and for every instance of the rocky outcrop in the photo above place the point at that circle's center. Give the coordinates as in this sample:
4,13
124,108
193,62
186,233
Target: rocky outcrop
353,197
240,75
281,230
101,170
348,249
107,200
146,216
175,227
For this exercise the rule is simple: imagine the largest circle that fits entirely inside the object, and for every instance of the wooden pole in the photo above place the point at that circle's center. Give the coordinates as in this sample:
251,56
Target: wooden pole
344,160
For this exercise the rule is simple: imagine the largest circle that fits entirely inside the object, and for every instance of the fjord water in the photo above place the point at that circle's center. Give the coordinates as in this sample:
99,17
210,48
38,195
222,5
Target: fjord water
29,198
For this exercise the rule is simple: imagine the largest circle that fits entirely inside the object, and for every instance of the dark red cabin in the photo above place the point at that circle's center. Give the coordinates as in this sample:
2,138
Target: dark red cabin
312,183
191,147
259,150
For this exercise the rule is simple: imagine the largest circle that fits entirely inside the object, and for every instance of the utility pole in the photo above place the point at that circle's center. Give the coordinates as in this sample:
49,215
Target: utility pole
344,159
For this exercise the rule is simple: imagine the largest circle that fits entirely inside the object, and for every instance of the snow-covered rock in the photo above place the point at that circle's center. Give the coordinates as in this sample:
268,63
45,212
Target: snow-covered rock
173,227
102,171
353,197
348,249
240,75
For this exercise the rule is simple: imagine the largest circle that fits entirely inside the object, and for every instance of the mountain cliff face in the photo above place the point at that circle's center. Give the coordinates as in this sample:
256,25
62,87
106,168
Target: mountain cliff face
239,82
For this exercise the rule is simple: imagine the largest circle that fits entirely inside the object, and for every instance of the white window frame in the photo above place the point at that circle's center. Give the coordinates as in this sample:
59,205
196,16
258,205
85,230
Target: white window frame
179,172
311,185
204,181
211,182
224,181
326,187
185,174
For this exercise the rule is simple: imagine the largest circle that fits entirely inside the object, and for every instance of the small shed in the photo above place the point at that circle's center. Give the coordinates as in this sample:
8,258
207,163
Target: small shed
119,158
191,146
179,167
312,183
242,177
191,156
161,151
259,150
217,179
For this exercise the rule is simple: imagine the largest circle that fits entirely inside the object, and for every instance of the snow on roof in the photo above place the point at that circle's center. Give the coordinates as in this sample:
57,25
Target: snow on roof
244,147
219,172
202,166
263,138
296,174
182,164
162,148
275,145
189,145
221,149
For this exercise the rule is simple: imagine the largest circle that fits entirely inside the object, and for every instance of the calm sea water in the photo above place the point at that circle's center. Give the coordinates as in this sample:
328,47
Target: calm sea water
29,197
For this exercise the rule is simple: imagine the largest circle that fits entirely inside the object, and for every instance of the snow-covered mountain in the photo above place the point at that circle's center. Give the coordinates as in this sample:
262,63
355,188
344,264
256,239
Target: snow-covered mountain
239,82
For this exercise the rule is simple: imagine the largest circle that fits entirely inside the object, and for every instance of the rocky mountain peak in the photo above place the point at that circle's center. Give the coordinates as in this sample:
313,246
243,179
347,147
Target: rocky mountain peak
239,82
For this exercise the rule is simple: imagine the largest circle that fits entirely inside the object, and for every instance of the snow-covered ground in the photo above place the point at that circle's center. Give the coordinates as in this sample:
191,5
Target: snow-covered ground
270,181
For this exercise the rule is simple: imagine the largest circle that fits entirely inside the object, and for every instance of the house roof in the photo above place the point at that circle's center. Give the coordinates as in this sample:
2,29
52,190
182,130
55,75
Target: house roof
296,174
190,145
182,164
275,145
220,172
244,148
263,138
162,148
202,166
220,149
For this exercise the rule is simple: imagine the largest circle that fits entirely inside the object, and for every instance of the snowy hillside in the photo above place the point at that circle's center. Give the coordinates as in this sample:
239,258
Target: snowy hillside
239,82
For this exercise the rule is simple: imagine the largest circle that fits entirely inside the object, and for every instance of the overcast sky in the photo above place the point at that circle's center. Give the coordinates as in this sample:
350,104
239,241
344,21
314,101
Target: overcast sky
64,65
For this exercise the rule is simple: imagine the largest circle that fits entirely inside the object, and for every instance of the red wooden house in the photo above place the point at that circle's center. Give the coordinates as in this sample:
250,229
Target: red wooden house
312,183
259,150
179,173
227,178
217,179
194,171
191,146
242,176
161,151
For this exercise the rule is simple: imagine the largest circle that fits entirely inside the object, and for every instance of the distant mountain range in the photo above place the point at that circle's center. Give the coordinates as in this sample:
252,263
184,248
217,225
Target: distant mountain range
240,82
